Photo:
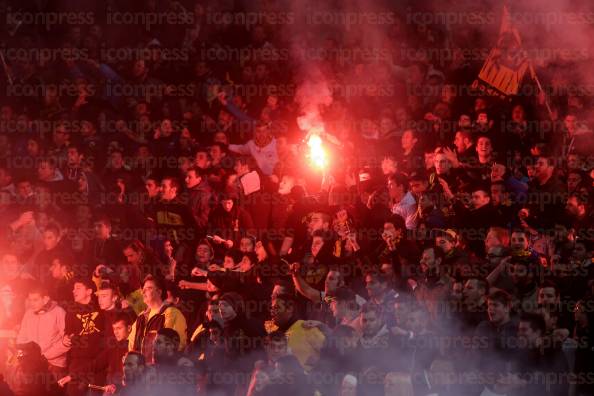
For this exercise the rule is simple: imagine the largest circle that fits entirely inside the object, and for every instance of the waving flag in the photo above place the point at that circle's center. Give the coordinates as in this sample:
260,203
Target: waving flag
506,64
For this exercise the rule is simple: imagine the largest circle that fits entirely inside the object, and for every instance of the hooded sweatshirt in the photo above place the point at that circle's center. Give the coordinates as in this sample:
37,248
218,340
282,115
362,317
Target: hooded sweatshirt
46,328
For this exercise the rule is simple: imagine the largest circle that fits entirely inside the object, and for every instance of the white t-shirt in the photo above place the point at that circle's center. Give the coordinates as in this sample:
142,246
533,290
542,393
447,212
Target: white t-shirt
266,157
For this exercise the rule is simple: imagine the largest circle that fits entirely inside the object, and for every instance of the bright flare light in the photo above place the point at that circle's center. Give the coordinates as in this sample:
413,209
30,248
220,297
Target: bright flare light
317,154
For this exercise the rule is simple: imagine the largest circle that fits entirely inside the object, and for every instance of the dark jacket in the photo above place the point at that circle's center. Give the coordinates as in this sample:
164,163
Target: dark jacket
108,252
200,201
496,349
241,347
243,339
547,362
546,203
60,290
43,261
30,376
109,360
404,259
146,329
172,378
473,225
230,225
86,324
174,220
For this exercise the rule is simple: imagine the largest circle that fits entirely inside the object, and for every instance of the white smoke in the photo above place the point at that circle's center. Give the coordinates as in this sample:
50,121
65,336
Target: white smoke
312,94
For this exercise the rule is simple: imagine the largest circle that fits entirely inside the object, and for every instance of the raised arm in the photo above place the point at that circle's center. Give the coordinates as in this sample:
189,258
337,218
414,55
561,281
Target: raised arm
302,287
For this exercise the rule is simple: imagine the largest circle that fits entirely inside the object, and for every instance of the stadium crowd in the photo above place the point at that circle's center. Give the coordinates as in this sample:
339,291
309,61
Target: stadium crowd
164,232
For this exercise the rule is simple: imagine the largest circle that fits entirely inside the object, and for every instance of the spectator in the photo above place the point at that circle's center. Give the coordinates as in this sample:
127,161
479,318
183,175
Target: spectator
464,147
474,301
85,335
242,337
153,190
104,248
229,221
172,218
434,283
200,196
403,202
374,346
535,356
345,308
141,261
456,260
31,375
498,331
411,152
262,147
158,315
52,248
62,281
110,358
378,291
400,250
135,378
108,299
305,343
176,376
43,324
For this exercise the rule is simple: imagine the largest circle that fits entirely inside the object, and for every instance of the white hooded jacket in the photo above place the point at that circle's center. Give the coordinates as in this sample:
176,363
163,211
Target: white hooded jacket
46,328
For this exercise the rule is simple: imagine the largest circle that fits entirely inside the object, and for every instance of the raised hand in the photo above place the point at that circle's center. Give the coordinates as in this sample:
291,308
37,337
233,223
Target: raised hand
64,380
451,156
446,188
